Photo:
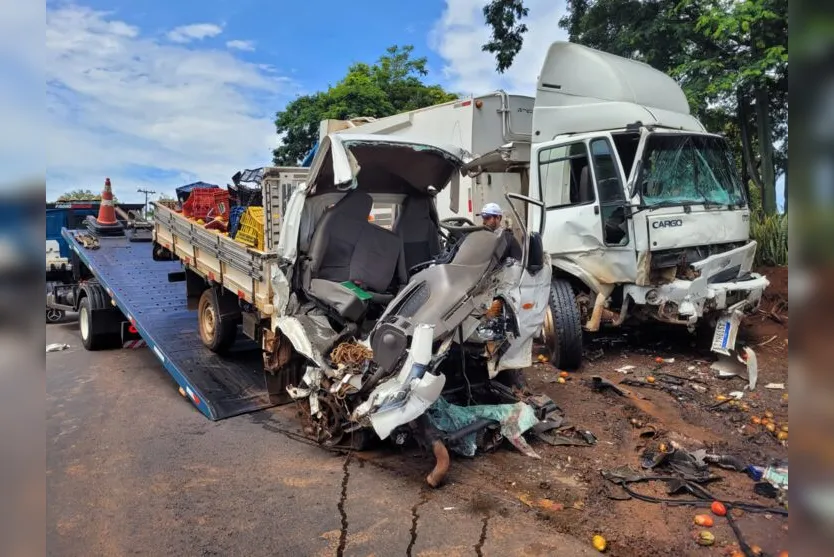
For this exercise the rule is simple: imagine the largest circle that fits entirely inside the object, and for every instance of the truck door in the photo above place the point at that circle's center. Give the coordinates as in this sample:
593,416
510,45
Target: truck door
581,182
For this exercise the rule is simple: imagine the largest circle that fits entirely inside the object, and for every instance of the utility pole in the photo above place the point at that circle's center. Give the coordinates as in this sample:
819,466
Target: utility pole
147,193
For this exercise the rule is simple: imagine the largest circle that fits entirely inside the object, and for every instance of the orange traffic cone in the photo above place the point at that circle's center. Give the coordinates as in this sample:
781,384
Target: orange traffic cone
106,223
106,212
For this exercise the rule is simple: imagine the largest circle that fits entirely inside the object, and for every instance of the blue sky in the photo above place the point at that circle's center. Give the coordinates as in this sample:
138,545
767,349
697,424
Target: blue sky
155,94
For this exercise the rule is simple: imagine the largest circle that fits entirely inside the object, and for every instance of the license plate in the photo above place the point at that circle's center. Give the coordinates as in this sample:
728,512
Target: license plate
724,338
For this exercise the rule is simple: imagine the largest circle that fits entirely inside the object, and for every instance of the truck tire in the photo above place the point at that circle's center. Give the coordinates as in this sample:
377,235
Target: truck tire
216,332
563,326
86,326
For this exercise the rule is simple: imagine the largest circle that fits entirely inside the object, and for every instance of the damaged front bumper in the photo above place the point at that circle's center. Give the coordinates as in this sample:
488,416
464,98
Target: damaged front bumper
724,284
686,301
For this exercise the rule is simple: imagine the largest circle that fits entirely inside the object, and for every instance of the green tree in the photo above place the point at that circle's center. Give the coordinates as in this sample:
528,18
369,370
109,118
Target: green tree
390,86
81,195
504,17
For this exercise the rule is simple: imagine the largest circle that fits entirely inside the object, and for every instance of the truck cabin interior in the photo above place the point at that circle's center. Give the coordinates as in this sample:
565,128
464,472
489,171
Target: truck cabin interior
343,247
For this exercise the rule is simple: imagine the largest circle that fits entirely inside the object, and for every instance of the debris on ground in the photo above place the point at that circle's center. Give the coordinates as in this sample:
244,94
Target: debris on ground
514,420
745,365
57,347
599,543
541,504
704,520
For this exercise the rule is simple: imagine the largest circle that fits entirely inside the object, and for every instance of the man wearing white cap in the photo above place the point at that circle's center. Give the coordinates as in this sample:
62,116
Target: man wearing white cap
491,216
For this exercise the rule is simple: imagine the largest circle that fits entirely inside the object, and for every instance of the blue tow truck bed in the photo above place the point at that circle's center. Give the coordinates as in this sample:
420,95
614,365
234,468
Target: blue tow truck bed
219,387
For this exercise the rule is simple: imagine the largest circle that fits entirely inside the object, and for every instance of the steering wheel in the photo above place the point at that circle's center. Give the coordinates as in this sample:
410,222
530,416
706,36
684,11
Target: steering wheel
465,226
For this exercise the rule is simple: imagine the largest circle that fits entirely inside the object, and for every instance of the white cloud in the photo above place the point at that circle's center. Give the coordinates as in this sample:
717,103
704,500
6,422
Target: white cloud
124,105
247,46
194,32
461,31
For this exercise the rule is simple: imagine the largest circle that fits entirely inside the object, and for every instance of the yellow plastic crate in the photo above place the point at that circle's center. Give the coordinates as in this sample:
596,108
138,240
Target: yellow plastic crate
251,230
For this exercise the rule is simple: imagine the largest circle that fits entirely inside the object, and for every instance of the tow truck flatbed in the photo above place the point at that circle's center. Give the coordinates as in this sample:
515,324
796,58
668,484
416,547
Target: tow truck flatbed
219,386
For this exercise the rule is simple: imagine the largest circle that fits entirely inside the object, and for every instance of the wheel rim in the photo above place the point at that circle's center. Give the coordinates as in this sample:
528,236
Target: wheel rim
84,323
551,336
54,314
208,323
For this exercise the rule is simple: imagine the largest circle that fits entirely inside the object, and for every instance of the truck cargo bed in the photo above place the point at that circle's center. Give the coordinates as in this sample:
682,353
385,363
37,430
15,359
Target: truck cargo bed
223,386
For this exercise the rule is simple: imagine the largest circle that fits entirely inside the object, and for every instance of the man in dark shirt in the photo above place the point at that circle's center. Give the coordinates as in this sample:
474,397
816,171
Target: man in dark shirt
492,215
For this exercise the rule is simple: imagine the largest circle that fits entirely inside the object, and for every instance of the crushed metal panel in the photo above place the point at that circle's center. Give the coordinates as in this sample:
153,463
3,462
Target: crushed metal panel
644,269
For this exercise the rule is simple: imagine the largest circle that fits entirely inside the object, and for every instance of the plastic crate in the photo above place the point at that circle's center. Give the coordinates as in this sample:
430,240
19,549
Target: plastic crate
205,203
241,195
234,219
251,231
184,191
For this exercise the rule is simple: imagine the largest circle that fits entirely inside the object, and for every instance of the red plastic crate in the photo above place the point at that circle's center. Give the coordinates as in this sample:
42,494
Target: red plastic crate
207,203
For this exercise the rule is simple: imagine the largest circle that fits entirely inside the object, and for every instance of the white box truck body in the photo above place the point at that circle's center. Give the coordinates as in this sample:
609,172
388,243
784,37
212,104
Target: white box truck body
478,125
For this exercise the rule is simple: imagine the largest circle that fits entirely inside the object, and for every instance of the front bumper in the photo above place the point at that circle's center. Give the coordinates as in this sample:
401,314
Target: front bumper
687,301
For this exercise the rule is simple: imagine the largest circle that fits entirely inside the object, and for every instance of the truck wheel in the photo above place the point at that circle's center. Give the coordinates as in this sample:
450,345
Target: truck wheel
90,340
54,315
563,326
217,333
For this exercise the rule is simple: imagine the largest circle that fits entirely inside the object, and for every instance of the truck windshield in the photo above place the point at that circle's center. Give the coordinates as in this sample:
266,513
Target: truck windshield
687,169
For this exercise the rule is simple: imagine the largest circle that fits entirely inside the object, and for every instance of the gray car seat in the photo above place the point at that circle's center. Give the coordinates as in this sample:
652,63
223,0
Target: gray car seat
347,248
417,228
440,295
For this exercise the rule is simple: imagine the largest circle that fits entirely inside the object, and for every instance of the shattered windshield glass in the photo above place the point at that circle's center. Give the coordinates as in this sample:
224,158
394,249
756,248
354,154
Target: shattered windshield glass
680,168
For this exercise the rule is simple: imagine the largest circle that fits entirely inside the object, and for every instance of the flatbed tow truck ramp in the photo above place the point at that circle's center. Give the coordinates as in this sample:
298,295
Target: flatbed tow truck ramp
220,387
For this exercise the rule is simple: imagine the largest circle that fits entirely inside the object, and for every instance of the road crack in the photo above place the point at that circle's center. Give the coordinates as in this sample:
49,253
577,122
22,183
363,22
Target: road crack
340,551
415,516
479,547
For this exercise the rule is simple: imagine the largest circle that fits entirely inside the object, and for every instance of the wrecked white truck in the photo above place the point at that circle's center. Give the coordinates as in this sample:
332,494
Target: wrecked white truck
379,332
647,218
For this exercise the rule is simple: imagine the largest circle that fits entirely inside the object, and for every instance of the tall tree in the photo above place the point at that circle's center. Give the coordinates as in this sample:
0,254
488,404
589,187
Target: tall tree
392,85
504,19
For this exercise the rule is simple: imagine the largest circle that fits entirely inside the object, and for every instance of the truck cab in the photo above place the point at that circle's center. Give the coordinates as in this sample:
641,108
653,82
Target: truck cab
646,216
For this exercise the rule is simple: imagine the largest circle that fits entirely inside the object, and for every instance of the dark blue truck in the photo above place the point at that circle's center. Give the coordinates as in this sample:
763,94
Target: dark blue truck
123,295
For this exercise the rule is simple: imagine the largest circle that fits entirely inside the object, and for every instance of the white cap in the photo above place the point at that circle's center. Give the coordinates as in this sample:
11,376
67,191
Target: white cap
492,209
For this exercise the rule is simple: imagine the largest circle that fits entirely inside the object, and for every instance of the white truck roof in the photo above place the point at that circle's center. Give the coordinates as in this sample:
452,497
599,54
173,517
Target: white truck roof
581,89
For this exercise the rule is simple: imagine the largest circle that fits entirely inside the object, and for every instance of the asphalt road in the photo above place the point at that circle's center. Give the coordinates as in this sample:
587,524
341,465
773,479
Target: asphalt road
134,469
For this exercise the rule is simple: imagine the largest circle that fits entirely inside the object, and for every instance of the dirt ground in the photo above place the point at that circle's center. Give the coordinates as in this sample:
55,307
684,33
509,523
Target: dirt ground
566,490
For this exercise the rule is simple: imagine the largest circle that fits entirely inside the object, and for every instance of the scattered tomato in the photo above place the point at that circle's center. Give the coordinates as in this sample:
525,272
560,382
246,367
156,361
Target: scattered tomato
705,537
785,428
768,414
718,508
599,543
755,550
771,427
650,379
756,420
564,374
659,360
560,380
782,436
704,520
